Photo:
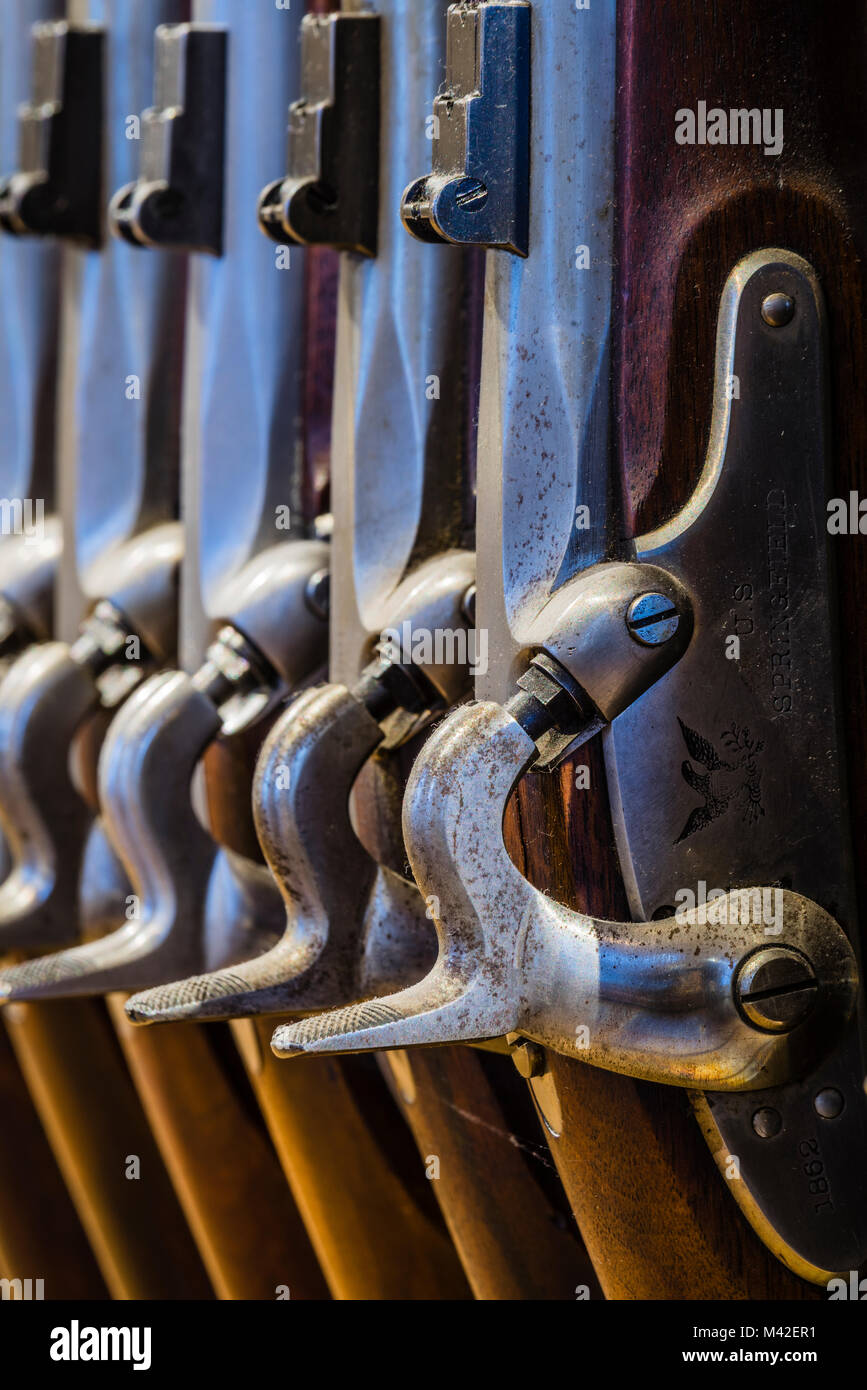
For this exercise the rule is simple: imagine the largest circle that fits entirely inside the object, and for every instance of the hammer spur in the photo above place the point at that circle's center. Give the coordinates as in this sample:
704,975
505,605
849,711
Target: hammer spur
46,697
352,926
148,761
301,800
661,1001
43,700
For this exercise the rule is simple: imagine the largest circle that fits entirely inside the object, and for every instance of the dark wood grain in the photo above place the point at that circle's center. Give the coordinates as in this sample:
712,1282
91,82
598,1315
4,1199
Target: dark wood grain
229,764
41,1236
355,1174
471,1116
92,1115
223,1168
654,1213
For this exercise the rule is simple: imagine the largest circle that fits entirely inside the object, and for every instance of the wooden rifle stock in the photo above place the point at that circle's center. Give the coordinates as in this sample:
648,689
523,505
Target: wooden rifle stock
95,1124
41,1236
375,1228
220,1161
497,1191
225,1173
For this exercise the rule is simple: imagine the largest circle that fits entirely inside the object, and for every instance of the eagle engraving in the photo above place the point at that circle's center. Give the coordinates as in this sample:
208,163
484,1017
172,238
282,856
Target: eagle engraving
734,779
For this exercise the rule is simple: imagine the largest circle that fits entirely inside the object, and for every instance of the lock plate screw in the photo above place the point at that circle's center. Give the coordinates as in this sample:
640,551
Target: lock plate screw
775,989
652,619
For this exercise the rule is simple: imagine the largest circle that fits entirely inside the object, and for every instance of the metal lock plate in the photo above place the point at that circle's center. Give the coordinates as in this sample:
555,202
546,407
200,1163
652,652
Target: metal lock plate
728,773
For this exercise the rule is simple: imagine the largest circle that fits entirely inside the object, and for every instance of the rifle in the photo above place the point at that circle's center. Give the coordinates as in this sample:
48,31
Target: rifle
807,198
90,1130
29,280
248,1232
400,494
617,629
252,628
